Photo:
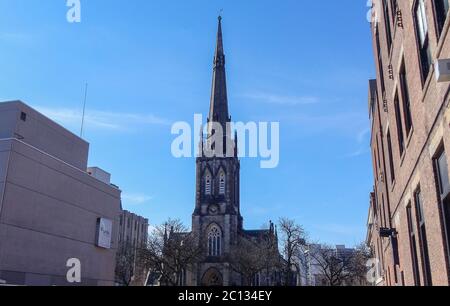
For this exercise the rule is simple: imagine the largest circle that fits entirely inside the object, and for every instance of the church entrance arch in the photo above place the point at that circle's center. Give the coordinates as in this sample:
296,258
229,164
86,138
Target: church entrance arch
212,278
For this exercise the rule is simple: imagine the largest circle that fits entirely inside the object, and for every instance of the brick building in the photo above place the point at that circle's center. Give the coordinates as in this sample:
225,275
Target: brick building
409,215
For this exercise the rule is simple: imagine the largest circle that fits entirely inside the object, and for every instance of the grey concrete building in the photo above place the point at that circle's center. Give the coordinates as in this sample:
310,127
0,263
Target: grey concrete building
133,229
51,209
133,235
313,264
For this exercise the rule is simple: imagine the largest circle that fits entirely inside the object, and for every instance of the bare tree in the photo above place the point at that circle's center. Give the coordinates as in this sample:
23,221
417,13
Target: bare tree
293,238
331,268
245,259
336,268
171,251
358,265
125,264
250,258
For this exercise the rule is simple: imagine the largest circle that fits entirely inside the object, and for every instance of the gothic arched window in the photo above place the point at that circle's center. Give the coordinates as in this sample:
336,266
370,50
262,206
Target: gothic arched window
208,182
214,241
256,281
222,182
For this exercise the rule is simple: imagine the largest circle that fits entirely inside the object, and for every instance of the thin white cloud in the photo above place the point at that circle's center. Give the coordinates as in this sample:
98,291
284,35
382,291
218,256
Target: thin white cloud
362,135
340,229
363,147
135,199
102,120
357,153
347,122
259,210
281,99
15,37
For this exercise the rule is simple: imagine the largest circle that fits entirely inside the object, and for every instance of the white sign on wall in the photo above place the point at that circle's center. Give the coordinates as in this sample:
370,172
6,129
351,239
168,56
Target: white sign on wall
104,233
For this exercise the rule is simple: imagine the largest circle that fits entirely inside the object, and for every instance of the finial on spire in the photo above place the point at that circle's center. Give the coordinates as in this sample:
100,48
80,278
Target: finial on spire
220,14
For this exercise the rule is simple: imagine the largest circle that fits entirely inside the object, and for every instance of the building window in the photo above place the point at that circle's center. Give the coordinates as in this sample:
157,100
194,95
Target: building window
377,159
413,246
423,241
375,164
394,7
391,157
441,8
256,280
208,183
23,116
398,119
383,206
222,183
380,64
441,169
380,254
379,155
182,278
214,241
387,24
422,33
406,99
389,276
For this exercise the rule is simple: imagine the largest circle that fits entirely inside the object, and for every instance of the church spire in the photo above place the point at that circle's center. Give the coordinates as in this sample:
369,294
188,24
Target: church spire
219,100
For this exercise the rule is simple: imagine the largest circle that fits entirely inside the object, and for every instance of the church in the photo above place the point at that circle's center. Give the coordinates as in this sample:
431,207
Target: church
217,219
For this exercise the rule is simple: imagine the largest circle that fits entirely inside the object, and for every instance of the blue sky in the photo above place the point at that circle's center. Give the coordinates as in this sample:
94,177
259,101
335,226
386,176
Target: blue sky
148,63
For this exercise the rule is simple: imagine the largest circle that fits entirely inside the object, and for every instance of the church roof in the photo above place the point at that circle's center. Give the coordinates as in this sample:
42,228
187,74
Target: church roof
257,233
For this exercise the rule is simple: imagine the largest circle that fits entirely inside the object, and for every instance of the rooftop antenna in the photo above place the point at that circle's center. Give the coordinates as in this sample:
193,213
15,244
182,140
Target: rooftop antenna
84,110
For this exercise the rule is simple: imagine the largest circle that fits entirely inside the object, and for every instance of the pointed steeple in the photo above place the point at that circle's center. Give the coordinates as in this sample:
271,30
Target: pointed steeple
219,99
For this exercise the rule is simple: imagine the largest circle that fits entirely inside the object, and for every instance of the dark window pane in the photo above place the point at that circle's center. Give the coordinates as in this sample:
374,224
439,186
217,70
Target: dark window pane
398,118
423,240
406,100
441,8
413,246
391,158
446,211
420,215
387,24
422,33
394,6
380,64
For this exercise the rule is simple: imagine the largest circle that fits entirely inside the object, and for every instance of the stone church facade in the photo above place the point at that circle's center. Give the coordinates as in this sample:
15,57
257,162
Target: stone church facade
217,219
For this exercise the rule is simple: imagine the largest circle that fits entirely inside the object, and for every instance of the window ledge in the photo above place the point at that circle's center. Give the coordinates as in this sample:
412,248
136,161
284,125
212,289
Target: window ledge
402,158
410,136
393,185
407,143
427,84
